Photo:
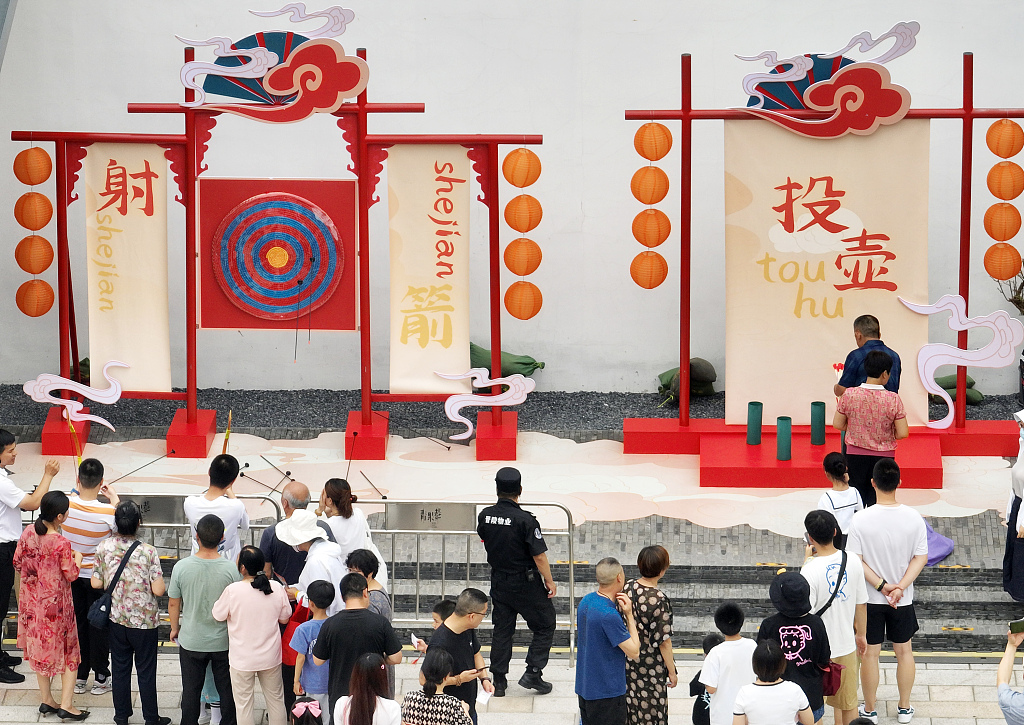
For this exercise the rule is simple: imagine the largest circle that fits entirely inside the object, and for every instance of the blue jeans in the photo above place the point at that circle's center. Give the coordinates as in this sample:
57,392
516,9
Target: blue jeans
819,713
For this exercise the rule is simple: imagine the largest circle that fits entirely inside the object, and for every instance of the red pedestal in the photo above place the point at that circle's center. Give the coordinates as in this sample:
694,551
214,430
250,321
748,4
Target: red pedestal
496,442
981,438
366,442
191,440
57,437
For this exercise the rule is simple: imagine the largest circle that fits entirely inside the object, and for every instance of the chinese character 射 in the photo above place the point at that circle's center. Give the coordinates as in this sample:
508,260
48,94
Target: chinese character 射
117,187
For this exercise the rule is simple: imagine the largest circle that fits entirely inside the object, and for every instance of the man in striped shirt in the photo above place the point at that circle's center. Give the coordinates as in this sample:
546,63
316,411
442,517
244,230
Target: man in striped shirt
89,522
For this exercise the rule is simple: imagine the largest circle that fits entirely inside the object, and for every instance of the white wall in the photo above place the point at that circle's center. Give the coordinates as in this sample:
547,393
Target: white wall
566,70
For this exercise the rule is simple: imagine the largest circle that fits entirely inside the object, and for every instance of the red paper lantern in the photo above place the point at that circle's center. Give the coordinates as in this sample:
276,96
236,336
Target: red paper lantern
522,256
32,166
1006,180
523,213
1002,221
33,254
35,298
1002,261
1005,138
649,185
33,211
521,167
523,300
649,269
652,141
651,227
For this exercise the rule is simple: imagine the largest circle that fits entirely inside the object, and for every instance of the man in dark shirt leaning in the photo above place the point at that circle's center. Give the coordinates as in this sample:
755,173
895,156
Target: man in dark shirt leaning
867,333
521,583
353,632
457,636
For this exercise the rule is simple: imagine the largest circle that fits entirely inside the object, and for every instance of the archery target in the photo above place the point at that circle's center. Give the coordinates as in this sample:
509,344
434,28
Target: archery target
277,256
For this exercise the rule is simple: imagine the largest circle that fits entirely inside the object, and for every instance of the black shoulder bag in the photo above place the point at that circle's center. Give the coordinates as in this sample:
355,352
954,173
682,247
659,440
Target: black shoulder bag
99,612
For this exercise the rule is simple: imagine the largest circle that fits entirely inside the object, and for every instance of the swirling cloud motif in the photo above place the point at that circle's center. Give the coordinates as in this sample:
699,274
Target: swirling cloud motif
260,61
1007,334
40,388
319,72
519,386
905,35
798,68
860,98
336,18
816,239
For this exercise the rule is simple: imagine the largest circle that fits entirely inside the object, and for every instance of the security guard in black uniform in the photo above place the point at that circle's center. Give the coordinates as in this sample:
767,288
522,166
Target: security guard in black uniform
521,583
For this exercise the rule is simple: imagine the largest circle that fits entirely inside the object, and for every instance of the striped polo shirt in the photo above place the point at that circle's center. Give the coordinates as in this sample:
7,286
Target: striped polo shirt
88,523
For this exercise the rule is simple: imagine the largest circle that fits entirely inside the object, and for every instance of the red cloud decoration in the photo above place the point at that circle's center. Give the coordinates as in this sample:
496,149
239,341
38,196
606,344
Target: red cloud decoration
860,97
319,72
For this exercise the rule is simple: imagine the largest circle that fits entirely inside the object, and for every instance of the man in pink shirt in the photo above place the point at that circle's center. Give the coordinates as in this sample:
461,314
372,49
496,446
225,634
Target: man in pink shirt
874,419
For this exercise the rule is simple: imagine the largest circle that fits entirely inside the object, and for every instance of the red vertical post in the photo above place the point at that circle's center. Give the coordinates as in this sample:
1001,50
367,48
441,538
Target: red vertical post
191,156
494,253
966,164
685,165
362,172
63,261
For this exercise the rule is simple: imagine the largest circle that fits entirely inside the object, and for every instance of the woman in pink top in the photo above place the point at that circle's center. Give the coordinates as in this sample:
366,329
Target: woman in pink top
253,608
874,419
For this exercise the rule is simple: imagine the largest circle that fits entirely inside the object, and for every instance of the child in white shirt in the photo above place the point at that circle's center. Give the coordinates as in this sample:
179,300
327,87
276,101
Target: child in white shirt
727,667
842,501
770,700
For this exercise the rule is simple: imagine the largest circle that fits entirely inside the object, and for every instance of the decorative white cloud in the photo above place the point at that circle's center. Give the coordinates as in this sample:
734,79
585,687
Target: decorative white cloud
816,239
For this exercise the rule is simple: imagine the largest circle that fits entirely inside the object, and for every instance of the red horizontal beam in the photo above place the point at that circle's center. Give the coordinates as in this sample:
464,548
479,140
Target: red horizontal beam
73,137
148,395
410,397
736,114
345,108
454,138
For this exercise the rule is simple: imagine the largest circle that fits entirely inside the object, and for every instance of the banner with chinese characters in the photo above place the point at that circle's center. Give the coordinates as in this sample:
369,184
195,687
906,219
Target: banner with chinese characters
428,206
819,232
126,255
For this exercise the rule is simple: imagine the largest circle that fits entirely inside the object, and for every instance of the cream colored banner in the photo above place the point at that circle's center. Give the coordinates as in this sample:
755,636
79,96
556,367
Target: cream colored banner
428,205
126,238
819,232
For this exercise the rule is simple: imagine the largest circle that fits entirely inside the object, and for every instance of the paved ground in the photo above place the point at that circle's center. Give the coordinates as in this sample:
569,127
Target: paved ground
946,693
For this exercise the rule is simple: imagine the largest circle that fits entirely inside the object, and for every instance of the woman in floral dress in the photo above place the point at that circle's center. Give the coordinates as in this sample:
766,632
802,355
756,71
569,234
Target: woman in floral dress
648,678
46,614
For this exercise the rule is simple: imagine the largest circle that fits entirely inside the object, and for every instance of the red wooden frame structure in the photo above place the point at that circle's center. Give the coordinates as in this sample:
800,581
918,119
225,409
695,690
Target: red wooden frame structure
660,435
192,431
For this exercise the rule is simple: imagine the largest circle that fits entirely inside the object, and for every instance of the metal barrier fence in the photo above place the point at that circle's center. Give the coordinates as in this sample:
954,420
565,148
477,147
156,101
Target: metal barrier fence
459,518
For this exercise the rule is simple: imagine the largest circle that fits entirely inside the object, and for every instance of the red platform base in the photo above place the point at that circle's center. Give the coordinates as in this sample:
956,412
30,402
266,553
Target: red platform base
57,437
191,440
496,442
726,460
366,442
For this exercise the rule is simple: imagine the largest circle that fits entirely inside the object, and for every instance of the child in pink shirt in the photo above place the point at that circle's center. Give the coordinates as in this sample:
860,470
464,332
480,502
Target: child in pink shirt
874,419
252,609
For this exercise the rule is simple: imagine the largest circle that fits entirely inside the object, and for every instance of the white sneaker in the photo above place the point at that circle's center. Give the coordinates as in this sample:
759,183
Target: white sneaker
904,714
81,686
204,715
872,715
101,687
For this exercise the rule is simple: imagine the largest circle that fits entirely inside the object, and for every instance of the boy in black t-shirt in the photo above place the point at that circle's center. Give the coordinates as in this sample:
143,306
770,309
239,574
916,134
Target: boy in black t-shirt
702,705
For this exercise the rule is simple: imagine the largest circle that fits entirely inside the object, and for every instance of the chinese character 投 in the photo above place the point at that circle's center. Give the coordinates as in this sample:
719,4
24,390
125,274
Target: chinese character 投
426,316
863,263
820,210
117,188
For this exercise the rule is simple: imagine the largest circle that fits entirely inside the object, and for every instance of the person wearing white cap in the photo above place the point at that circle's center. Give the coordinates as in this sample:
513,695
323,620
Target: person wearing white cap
323,558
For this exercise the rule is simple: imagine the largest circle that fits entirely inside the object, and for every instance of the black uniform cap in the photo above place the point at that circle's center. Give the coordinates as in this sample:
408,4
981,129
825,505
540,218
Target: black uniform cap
508,481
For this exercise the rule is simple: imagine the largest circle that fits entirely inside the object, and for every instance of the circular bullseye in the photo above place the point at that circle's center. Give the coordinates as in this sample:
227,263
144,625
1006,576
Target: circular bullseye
277,256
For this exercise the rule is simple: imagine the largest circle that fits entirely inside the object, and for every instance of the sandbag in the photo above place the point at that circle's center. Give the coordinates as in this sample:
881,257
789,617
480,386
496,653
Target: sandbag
949,381
510,364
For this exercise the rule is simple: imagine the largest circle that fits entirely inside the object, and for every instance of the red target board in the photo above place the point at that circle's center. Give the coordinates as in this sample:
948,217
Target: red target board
276,254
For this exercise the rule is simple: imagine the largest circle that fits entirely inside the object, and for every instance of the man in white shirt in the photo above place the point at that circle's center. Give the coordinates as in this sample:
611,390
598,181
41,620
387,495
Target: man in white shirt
892,541
12,501
323,558
220,500
89,522
846,616
728,666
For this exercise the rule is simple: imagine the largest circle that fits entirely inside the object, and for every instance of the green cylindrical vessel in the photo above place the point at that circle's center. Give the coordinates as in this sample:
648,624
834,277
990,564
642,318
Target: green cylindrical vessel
754,410
817,423
784,438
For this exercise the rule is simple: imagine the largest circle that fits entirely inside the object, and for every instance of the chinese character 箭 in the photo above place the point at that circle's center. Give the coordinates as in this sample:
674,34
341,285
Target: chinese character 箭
426,316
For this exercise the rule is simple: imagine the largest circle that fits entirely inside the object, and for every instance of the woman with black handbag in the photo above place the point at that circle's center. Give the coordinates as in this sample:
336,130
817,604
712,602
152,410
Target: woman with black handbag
130,571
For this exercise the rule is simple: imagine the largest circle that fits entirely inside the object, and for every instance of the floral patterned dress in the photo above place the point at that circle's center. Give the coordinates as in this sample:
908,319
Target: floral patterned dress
46,613
647,679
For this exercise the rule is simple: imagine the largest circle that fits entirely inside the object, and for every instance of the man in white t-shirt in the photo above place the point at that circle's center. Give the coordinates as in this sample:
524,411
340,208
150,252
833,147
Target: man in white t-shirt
12,501
892,541
728,666
220,501
846,616
89,522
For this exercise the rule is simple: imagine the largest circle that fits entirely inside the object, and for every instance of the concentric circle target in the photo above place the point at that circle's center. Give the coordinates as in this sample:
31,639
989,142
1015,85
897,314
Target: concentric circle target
277,256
